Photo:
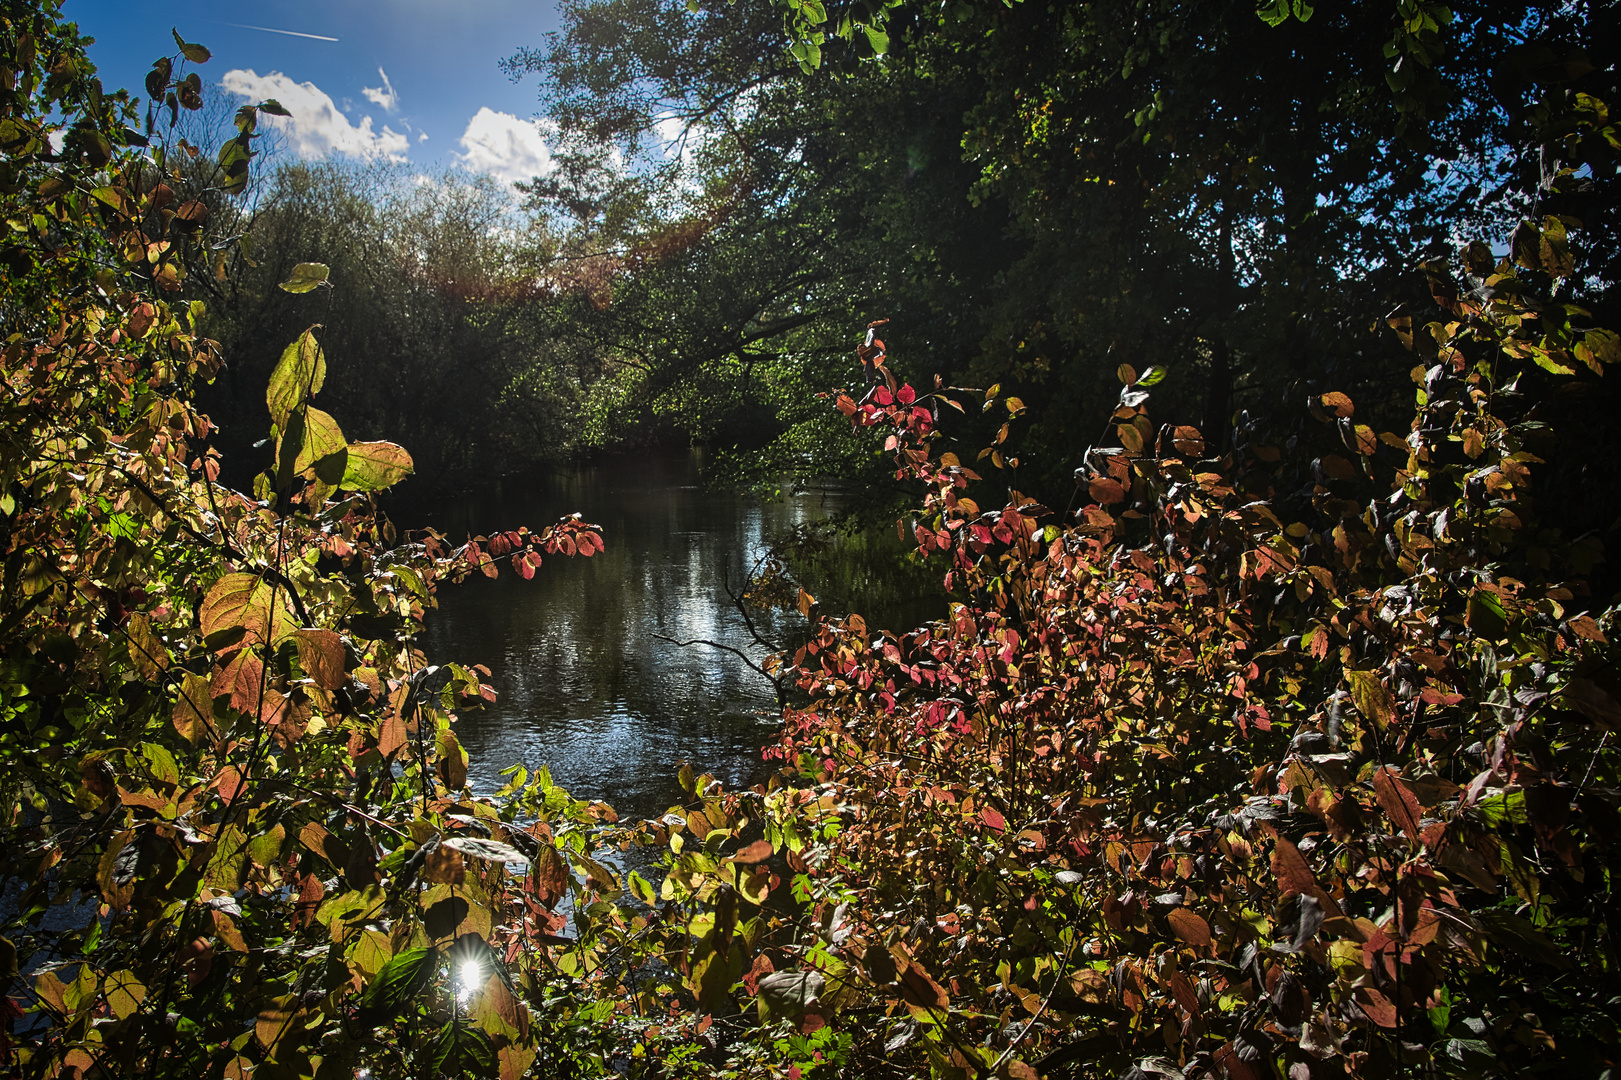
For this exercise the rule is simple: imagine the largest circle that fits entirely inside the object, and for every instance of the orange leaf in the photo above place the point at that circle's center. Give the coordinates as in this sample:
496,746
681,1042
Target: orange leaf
1189,926
1337,403
320,654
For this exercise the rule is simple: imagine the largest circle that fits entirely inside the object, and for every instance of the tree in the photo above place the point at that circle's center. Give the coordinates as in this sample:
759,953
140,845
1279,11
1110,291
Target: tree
1038,193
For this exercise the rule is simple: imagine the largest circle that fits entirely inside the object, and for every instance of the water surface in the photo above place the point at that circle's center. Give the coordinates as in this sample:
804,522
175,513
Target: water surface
585,685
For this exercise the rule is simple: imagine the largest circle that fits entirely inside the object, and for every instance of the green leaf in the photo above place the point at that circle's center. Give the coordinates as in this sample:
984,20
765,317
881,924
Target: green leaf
306,276
273,107
1371,698
1486,615
323,447
401,979
160,763
1153,376
234,157
1441,1015
1275,13
878,39
462,1050
192,51
641,890
299,374
371,466
1303,10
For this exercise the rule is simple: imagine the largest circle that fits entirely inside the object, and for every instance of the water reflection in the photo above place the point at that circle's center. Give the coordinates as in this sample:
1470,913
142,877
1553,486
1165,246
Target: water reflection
584,684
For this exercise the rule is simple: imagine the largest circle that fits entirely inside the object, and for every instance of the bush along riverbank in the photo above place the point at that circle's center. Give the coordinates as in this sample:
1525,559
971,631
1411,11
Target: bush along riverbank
1276,758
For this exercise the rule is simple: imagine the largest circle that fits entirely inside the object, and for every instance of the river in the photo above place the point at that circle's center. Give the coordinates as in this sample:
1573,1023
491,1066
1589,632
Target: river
584,683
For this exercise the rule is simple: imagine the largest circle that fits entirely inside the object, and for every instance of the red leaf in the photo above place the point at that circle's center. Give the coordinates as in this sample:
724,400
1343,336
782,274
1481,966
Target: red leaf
993,819
757,852
907,395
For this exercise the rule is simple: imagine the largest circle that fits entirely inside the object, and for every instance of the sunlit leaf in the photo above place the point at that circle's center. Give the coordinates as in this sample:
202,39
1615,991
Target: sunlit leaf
490,850
297,376
306,277
372,466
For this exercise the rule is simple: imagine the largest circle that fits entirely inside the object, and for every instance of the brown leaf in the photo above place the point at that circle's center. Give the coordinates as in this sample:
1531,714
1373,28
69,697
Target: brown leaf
1377,1007
275,1018
226,604
1106,490
243,679
1396,801
320,654
1091,986
194,708
918,989
548,877
444,866
1236,1067
391,737
1190,926
1182,990
452,763
1289,867
146,649
1188,441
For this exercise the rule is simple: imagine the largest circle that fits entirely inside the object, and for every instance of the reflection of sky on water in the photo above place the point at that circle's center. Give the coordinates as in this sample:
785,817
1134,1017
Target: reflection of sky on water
584,686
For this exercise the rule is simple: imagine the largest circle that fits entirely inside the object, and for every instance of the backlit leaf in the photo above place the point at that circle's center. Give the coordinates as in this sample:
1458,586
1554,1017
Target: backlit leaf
372,466
320,654
297,376
305,277
1189,926
1371,698
401,979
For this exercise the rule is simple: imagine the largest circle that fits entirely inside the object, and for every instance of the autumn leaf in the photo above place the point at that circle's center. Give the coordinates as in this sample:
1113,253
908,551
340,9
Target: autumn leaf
1397,801
1189,926
1371,698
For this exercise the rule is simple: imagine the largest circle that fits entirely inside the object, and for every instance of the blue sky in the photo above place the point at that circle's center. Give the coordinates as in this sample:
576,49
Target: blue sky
406,80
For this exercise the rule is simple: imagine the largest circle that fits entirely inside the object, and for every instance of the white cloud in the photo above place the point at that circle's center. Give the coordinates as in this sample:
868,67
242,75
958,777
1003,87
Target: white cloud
504,146
383,96
423,137
316,128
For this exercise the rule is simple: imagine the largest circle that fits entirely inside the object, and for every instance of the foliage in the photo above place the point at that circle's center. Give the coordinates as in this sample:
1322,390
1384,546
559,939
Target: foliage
437,301
1225,776
1038,192
238,829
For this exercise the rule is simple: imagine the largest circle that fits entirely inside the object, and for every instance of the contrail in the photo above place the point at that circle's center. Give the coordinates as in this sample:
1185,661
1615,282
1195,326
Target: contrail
273,30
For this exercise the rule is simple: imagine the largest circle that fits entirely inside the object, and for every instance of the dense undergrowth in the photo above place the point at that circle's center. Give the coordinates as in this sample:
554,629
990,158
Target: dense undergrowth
1286,758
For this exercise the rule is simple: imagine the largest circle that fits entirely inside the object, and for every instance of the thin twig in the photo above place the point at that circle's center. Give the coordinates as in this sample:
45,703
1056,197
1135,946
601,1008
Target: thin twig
1058,981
